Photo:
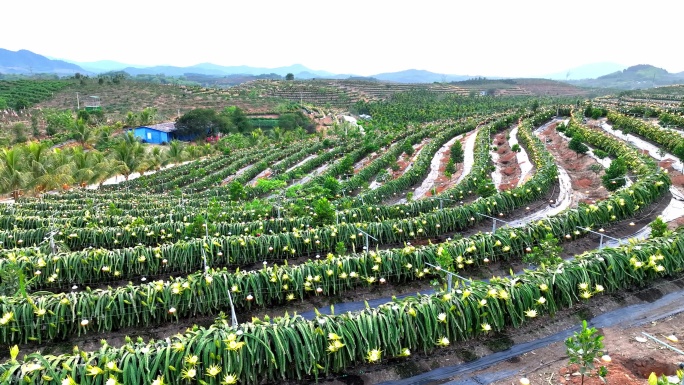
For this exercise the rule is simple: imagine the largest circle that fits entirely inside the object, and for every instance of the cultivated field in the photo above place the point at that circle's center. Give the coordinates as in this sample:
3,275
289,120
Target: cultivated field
327,259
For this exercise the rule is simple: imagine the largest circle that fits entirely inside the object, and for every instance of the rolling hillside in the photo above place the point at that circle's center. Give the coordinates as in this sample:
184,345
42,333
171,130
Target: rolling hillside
635,77
264,96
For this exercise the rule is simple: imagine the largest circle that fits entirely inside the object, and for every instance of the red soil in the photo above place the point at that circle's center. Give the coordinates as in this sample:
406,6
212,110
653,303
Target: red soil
507,163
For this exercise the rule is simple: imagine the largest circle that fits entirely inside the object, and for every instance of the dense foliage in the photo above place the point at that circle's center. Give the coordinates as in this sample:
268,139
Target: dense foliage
202,122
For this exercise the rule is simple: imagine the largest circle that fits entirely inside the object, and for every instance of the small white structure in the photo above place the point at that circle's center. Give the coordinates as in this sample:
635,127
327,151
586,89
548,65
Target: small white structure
352,121
349,119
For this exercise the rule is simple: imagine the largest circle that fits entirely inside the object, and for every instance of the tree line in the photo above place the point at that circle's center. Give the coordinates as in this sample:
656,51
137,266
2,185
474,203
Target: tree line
204,122
36,168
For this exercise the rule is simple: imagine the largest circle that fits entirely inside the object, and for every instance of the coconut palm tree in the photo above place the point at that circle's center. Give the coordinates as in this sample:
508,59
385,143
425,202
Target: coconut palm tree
36,151
59,168
277,134
192,152
82,133
36,154
176,152
13,175
47,169
147,116
84,165
257,135
129,138
104,136
104,168
130,153
156,159
131,120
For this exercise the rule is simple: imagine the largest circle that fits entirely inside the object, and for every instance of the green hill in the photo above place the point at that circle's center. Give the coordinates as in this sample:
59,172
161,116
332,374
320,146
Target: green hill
635,77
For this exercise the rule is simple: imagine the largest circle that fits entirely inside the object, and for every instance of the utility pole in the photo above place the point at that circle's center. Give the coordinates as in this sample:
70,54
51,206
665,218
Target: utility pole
78,102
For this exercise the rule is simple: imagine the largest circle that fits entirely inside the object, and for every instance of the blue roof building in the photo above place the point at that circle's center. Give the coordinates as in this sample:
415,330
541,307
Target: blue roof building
157,133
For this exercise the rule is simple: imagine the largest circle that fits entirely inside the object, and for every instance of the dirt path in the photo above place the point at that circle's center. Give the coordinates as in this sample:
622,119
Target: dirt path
264,174
468,155
436,180
360,165
320,170
631,360
308,158
239,172
405,161
674,166
585,183
508,172
526,166
120,178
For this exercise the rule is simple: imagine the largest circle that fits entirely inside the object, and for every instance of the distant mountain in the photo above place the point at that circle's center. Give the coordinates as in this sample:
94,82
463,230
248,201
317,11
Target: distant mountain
635,77
27,62
101,66
587,71
418,76
308,75
298,70
218,70
227,80
603,75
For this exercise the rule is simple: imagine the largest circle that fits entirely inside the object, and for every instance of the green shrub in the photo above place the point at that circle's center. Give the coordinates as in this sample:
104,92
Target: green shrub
583,348
658,228
450,168
614,177
600,153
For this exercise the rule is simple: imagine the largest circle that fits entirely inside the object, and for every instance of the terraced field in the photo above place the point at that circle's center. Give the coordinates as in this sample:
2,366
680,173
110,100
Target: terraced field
264,96
344,93
204,273
169,100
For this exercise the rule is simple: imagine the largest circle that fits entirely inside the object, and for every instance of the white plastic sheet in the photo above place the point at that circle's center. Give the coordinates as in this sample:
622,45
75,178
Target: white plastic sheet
561,203
521,157
429,181
468,155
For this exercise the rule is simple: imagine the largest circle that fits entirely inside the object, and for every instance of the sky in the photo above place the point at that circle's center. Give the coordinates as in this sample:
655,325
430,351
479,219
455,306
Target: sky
508,38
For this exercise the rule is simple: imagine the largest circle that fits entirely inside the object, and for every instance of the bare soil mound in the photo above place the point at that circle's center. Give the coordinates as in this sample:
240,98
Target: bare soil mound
586,183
